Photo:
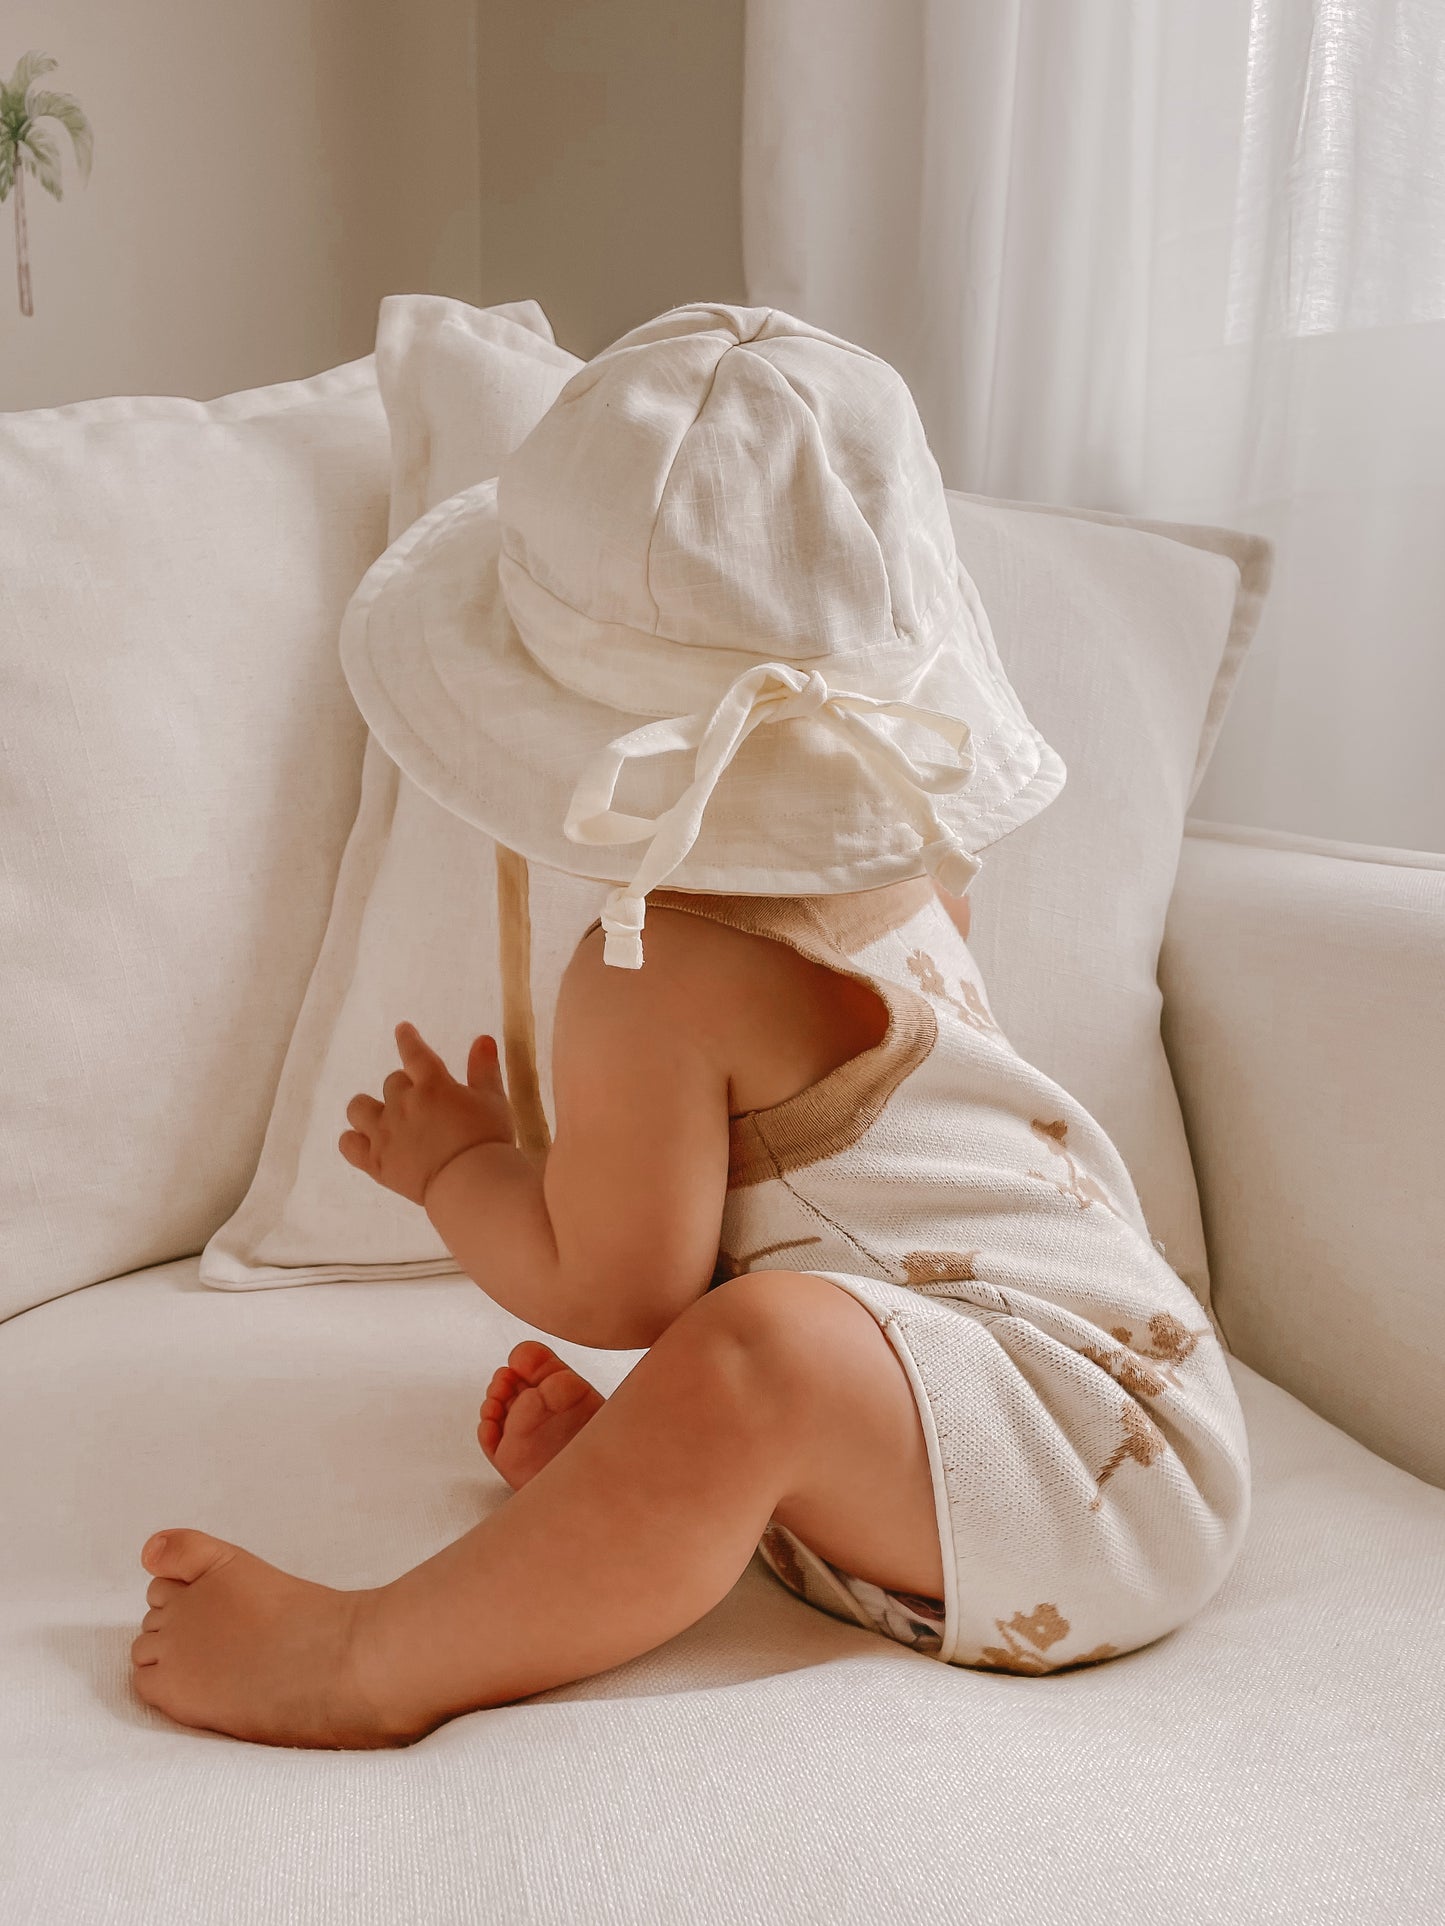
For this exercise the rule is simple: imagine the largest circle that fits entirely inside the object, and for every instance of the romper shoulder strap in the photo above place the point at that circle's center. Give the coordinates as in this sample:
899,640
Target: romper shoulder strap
839,1110
830,929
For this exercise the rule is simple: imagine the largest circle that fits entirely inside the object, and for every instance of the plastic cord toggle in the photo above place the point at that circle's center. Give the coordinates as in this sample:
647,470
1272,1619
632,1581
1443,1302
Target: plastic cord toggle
622,920
950,865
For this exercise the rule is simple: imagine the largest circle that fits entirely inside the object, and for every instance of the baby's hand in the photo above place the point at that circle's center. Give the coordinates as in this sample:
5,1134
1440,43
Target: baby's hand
426,1117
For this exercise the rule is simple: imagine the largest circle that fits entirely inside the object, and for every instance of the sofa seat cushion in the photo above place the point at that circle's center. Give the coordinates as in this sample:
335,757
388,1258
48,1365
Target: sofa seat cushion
1277,1757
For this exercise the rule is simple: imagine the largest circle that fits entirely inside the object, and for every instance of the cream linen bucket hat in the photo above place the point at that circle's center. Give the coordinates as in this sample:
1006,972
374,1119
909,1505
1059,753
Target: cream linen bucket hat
726,541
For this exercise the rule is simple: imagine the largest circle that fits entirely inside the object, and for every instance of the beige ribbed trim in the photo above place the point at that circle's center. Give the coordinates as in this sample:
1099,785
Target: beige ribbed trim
834,1113
862,917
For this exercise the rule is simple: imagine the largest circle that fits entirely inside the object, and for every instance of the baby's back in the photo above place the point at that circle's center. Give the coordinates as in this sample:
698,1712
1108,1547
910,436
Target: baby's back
882,1119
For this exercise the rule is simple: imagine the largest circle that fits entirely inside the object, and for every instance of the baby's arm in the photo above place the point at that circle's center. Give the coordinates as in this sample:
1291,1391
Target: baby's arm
618,1232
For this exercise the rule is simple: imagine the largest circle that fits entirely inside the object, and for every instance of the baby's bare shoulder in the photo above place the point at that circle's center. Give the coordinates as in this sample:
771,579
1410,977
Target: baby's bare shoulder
695,971
753,1009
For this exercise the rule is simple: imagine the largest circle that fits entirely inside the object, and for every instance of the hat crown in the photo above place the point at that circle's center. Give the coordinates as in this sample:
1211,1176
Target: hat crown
640,710
736,482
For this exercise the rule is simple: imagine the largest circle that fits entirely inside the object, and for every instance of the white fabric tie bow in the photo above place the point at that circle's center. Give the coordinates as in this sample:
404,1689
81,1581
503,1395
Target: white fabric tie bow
772,692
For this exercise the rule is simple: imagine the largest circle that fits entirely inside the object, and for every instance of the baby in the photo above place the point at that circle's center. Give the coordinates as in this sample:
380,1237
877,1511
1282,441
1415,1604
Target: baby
904,1329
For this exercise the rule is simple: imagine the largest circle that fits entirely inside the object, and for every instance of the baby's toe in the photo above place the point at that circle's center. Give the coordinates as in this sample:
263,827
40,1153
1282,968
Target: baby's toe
146,1650
532,1361
185,1555
161,1589
560,1390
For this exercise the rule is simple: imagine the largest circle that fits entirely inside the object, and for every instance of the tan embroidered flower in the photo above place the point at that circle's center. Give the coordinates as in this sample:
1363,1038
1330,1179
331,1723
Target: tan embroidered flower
1080,1187
1173,1339
983,1017
1136,1377
1041,1628
939,1267
1143,1441
970,1005
930,977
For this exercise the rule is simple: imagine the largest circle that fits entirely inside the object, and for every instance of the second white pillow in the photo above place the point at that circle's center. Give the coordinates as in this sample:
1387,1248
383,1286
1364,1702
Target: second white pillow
413,927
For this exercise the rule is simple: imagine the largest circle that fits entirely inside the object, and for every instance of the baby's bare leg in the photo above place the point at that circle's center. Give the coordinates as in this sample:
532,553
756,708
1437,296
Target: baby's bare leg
776,1395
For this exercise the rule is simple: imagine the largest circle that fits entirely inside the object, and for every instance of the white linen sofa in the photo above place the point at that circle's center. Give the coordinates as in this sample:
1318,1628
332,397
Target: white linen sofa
1280,1758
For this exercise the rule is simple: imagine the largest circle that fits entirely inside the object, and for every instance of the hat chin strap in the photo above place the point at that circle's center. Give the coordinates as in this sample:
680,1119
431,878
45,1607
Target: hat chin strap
772,692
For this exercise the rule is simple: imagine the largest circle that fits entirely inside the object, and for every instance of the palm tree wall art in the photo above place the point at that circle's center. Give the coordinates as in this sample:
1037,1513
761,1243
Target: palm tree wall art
26,147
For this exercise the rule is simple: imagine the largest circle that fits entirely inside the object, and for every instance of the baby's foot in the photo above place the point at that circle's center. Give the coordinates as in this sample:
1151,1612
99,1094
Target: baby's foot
534,1406
234,1645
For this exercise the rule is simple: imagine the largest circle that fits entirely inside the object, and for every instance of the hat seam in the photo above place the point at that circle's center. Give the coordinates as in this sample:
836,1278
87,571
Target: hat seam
778,374
820,334
904,635
662,492
781,374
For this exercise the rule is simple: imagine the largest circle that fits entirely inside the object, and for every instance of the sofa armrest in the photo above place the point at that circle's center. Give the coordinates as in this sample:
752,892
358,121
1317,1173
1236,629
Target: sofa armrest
1304,1018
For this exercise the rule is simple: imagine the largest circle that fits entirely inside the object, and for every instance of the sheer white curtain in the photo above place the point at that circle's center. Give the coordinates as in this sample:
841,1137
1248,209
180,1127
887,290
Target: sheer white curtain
1169,258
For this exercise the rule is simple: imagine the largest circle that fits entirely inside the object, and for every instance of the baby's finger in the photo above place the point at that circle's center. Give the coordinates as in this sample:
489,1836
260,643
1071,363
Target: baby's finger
483,1069
418,1058
356,1149
362,1112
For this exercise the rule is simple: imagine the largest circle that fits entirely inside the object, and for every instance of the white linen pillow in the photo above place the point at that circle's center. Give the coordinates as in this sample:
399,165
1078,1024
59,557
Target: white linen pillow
181,766
413,930
1123,638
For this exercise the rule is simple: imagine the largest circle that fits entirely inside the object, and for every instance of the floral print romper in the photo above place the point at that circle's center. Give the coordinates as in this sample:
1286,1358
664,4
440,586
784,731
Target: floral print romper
1089,1457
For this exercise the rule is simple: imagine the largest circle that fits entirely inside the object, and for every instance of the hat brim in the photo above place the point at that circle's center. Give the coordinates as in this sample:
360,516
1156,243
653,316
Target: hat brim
445,682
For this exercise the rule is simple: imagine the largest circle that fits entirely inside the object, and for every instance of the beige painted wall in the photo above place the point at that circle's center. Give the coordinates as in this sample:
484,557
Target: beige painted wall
263,174
611,139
